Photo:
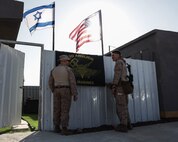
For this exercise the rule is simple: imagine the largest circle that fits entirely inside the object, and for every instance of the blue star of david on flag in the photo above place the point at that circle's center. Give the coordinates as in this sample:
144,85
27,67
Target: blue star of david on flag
37,16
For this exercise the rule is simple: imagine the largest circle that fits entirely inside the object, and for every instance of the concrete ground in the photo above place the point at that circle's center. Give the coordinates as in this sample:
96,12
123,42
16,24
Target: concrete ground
163,132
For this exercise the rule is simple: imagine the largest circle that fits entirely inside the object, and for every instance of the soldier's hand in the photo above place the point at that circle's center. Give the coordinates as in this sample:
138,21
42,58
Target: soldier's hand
109,85
75,97
113,90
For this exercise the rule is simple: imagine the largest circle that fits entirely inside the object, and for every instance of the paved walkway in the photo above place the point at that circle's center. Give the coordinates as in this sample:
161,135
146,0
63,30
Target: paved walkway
21,127
163,132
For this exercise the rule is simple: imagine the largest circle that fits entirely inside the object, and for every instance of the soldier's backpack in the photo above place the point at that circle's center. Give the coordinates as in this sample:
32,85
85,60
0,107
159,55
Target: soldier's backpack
128,85
130,75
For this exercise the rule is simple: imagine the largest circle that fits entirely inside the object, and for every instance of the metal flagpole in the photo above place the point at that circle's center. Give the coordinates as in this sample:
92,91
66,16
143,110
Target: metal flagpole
53,44
100,18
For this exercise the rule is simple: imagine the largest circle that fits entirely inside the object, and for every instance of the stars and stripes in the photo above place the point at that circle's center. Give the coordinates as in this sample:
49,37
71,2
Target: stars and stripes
88,30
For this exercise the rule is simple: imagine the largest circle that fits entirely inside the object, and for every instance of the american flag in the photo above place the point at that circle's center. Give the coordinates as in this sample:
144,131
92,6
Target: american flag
88,30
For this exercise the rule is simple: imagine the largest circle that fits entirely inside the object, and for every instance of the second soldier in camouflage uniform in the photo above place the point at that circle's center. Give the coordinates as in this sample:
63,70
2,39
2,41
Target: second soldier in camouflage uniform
63,85
120,73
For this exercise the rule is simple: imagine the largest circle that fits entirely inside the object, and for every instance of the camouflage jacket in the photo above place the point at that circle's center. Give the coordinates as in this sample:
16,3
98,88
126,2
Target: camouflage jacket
120,73
72,81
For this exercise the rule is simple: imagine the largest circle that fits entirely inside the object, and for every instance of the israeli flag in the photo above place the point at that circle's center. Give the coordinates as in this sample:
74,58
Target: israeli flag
40,17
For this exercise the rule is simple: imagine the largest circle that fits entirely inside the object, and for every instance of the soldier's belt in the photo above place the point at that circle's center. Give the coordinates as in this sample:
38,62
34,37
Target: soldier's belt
62,86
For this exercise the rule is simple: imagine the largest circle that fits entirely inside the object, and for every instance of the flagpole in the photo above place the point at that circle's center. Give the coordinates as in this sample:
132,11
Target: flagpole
53,40
53,36
100,18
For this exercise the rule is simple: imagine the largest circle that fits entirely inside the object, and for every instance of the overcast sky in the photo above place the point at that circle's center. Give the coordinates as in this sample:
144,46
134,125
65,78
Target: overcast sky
123,21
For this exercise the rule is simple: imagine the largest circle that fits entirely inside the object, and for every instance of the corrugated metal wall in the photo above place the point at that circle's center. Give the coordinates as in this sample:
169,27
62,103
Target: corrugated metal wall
30,99
11,79
96,105
30,92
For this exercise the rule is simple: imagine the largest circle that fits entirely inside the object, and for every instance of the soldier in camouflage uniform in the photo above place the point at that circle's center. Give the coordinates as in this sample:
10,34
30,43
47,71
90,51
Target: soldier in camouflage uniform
120,73
63,86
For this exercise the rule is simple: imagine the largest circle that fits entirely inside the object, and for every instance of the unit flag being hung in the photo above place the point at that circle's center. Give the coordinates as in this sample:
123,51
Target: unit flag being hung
88,30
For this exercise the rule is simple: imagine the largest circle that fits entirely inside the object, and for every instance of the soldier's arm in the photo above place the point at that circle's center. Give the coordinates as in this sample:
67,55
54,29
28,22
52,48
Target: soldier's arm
117,72
73,84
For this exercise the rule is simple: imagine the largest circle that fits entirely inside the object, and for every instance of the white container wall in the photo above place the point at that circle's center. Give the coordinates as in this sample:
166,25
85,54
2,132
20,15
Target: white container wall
11,79
95,105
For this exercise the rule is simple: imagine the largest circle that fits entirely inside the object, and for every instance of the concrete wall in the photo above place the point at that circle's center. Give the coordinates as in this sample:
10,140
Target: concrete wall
11,13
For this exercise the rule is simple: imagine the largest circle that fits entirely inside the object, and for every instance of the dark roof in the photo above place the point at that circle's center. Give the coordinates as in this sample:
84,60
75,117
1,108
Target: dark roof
137,39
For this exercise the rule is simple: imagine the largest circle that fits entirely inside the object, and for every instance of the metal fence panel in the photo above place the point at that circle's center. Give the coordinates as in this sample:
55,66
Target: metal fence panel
30,92
11,79
47,98
96,105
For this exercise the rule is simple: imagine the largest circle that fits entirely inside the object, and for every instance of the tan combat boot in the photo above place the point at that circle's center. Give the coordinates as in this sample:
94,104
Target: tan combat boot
65,131
57,129
122,128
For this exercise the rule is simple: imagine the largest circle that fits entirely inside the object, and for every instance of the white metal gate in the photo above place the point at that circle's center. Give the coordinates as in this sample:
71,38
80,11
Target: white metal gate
96,106
12,64
11,82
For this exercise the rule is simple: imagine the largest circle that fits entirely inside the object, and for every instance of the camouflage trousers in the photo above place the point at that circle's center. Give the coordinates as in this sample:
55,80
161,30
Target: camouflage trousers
122,109
61,106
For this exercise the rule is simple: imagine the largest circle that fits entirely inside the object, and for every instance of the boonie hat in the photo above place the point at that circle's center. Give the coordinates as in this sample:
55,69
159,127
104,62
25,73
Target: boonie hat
63,57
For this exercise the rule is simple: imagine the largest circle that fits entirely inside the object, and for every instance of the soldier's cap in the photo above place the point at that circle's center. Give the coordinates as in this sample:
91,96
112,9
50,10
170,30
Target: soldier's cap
116,52
63,58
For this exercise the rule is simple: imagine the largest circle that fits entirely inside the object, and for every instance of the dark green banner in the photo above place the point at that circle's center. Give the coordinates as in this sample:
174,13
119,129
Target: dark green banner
88,69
